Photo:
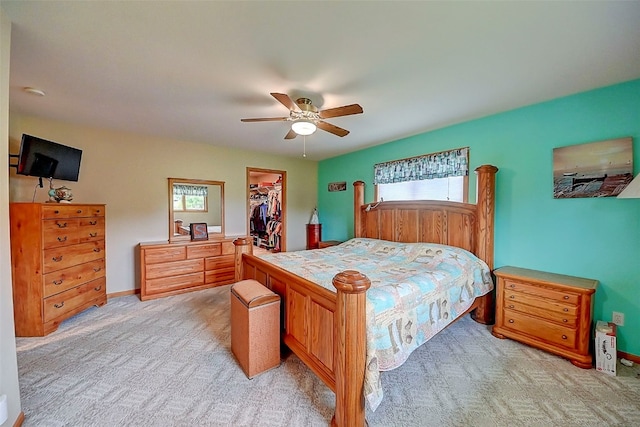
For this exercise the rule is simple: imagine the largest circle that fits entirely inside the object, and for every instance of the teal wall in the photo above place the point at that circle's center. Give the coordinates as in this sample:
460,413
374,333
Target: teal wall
596,238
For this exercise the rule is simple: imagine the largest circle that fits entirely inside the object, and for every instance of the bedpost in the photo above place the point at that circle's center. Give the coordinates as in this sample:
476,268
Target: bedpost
243,246
485,201
358,201
351,347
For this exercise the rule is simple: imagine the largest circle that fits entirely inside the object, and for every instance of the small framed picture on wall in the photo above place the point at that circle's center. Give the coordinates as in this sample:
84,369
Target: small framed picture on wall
199,231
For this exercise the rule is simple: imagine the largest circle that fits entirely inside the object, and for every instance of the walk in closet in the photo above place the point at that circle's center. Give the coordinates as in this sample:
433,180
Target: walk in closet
266,209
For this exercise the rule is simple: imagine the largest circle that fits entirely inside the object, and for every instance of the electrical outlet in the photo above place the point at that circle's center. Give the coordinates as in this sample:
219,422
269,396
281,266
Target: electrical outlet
618,318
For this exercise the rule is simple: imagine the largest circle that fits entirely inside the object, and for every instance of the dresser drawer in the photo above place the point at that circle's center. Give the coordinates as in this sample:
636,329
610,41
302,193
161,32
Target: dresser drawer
166,284
541,291
165,254
64,211
215,263
174,268
203,251
68,256
228,248
59,232
562,318
96,211
221,276
532,300
67,278
91,229
58,305
537,328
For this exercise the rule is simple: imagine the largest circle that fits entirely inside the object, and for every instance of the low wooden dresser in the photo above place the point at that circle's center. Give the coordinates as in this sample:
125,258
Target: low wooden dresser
178,267
57,263
549,311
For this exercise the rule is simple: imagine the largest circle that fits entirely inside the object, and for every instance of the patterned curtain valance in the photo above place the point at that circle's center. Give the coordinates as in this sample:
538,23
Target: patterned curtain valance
189,190
430,166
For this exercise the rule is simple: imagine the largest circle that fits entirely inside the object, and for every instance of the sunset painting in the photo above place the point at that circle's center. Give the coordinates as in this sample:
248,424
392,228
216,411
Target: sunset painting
596,169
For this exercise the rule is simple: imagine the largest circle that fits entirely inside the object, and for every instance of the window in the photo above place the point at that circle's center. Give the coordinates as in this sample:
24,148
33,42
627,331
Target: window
436,176
189,198
451,188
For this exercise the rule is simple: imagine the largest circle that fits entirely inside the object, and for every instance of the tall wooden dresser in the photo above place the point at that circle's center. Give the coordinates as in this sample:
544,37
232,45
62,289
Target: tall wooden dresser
57,261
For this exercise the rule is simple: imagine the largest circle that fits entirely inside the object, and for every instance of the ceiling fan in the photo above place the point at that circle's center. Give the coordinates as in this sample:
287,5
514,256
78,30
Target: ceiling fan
306,117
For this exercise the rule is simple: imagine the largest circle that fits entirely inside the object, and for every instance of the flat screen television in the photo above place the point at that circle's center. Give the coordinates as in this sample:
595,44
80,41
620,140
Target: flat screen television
47,159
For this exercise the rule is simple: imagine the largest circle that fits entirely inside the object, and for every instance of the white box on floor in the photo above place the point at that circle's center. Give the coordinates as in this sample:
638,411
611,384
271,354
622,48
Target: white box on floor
605,347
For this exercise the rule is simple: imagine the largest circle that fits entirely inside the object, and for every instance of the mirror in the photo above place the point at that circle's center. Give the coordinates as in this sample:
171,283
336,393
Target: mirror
194,201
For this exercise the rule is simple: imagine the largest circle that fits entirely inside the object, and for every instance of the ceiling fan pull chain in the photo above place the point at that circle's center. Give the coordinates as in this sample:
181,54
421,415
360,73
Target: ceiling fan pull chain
304,146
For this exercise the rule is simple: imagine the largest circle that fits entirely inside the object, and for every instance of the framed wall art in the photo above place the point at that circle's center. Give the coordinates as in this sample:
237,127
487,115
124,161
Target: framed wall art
338,186
199,231
596,169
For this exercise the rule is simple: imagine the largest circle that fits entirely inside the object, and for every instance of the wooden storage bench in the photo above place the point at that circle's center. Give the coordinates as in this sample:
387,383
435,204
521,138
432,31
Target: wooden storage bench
255,327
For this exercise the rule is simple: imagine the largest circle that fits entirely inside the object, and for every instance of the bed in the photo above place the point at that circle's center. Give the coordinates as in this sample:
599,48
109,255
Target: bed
327,328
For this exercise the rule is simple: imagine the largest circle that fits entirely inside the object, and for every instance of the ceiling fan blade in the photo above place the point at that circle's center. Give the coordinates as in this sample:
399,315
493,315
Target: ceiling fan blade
266,119
328,127
285,100
290,135
345,110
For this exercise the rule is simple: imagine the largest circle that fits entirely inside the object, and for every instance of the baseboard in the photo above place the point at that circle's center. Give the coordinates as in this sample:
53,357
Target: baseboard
629,356
19,420
123,293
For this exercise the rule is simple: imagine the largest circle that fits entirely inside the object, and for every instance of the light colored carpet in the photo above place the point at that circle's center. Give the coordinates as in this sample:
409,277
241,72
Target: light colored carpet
168,362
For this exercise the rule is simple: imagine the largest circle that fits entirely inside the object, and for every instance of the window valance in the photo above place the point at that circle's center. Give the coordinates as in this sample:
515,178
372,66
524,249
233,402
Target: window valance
430,166
190,190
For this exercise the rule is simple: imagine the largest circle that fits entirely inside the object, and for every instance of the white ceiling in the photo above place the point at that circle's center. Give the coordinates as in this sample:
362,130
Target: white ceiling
191,70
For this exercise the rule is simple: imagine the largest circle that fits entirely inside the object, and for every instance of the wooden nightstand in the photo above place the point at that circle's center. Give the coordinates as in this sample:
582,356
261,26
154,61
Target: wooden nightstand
327,243
314,234
545,310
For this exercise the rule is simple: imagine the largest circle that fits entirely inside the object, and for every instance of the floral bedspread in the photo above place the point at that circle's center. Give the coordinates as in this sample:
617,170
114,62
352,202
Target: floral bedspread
417,289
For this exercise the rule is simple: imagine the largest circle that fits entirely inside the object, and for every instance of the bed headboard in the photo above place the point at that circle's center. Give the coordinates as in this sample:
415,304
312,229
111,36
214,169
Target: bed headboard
465,225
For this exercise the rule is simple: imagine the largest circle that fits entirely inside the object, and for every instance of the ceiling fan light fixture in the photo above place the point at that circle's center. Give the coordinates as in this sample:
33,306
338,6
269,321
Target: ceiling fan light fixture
303,127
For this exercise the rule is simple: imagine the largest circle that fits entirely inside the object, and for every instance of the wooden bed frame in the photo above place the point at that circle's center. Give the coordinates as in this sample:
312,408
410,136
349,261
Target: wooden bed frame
326,329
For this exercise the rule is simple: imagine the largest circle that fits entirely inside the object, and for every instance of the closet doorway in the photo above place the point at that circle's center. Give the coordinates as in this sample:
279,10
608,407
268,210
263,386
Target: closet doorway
266,209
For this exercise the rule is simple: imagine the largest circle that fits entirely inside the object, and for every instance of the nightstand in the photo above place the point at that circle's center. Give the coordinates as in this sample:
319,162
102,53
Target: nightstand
314,234
549,311
328,243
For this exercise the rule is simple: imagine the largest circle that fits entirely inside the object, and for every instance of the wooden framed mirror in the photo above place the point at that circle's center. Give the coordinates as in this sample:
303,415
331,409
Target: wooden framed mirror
195,201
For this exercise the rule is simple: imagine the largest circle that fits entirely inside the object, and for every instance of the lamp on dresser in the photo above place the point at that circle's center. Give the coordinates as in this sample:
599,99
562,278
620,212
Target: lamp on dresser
631,191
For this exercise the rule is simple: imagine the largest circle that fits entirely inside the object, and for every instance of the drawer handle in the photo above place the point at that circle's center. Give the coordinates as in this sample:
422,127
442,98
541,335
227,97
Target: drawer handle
511,321
56,212
512,296
62,239
62,225
79,211
564,337
565,320
511,306
93,234
97,269
57,258
96,249
93,222
57,282
566,297
97,288
512,286
59,305
565,310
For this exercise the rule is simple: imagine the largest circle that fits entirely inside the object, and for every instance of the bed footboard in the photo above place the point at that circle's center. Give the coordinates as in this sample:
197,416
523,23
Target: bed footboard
326,330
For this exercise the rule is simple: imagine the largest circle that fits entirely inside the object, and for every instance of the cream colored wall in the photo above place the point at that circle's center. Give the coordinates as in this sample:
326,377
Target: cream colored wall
8,362
128,172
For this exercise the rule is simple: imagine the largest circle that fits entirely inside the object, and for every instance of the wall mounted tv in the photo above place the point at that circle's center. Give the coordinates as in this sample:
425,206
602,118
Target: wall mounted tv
47,159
